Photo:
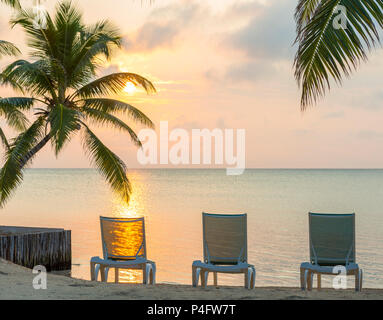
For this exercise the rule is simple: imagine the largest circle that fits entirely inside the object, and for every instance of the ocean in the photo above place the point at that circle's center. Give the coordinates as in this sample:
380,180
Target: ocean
171,200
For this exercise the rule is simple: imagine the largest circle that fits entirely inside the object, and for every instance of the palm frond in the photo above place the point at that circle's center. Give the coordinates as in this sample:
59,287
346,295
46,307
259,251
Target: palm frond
113,84
64,122
4,81
86,58
9,49
108,164
11,174
104,118
32,77
21,103
12,3
43,40
116,106
304,12
13,116
4,139
326,52
68,25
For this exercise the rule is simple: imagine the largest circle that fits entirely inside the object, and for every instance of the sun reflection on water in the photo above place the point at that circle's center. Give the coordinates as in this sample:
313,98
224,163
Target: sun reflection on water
125,240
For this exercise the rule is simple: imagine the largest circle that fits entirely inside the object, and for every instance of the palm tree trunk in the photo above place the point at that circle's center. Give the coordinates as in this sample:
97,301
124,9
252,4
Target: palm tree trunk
34,150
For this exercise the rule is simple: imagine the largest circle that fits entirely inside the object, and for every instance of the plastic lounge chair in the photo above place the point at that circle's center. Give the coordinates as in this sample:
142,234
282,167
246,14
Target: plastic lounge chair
332,248
224,248
124,247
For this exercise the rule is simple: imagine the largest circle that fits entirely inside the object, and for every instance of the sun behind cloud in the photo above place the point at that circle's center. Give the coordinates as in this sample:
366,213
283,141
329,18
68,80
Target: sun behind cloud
130,88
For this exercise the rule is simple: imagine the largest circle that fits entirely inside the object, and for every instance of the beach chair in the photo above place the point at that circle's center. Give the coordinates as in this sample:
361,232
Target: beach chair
224,249
332,249
124,247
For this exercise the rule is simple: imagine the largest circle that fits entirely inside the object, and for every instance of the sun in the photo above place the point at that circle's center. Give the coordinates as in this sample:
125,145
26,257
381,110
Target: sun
130,88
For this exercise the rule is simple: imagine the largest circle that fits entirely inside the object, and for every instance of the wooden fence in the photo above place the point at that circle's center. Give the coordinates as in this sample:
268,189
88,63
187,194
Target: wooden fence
30,247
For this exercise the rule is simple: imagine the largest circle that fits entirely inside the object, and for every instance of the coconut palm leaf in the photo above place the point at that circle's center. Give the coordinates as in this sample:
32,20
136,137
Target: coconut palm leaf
43,41
11,174
87,57
12,3
4,139
104,118
325,52
7,48
64,122
304,12
116,106
108,164
33,77
21,103
13,116
113,84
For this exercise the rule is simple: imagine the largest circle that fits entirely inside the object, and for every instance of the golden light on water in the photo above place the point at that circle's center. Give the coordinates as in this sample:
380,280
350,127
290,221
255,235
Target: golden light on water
127,238
136,207
124,210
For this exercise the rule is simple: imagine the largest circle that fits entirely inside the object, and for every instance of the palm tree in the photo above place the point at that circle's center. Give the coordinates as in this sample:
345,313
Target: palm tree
327,51
66,97
9,49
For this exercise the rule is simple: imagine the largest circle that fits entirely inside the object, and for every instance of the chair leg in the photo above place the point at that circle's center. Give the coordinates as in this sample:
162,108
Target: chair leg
144,274
308,279
319,281
96,271
253,275
249,277
116,275
195,276
358,279
204,278
152,278
246,272
102,271
303,280
92,271
149,273
106,272
215,279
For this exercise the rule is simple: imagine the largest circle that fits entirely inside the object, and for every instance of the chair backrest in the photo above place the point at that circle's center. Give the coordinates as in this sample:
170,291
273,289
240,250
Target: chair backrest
123,238
224,238
332,238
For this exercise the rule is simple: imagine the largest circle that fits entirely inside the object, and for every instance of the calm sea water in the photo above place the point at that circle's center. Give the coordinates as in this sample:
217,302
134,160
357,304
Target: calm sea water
276,201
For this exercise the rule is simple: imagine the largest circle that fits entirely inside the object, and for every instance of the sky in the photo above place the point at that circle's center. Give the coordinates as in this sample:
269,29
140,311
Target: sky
229,64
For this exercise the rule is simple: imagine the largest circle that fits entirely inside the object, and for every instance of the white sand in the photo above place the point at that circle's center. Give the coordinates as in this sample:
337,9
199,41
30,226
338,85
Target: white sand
16,283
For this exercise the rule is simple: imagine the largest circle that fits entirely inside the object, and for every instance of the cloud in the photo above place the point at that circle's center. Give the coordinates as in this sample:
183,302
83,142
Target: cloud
164,26
369,134
269,35
263,40
249,71
370,99
152,35
334,115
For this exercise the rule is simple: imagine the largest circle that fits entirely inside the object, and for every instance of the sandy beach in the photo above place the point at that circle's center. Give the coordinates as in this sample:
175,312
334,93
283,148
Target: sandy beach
16,283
